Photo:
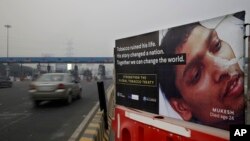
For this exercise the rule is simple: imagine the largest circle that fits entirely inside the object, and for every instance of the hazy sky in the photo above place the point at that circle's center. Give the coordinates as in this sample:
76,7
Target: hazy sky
89,28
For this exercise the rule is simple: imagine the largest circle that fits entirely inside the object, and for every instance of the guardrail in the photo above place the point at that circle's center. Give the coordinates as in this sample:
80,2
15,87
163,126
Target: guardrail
92,128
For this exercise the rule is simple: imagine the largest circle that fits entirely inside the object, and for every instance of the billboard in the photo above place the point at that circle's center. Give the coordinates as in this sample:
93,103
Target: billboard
193,72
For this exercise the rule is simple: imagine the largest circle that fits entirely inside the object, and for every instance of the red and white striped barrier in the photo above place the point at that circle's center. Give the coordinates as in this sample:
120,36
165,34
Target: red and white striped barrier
135,125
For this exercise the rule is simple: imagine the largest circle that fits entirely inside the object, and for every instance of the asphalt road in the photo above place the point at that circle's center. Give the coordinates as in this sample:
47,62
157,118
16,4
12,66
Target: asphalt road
52,121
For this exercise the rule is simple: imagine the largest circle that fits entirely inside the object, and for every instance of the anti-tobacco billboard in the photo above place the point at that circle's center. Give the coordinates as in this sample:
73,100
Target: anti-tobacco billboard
193,72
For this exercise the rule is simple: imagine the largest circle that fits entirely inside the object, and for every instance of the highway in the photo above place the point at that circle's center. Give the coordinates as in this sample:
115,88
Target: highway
51,121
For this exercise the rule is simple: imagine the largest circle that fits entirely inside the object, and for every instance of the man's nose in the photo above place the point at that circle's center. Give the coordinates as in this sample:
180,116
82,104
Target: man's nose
221,70
221,76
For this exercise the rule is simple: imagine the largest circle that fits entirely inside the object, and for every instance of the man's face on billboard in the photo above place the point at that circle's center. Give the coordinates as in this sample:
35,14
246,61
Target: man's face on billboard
207,81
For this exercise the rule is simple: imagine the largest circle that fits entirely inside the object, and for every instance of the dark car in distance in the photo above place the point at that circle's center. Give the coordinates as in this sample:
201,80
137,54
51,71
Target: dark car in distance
5,82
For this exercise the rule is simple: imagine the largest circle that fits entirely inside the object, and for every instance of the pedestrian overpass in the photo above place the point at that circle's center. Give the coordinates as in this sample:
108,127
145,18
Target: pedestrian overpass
56,59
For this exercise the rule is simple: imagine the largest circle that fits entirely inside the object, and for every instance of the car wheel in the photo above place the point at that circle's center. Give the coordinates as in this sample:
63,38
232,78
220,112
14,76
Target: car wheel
69,99
79,96
36,103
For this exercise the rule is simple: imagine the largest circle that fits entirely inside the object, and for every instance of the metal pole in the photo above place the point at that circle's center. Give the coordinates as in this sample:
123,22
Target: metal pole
7,26
7,68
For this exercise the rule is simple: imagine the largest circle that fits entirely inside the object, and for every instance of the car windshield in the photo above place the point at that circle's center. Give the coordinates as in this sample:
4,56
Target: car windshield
56,77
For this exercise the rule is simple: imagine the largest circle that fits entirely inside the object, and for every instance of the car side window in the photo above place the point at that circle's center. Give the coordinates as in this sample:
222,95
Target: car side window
70,78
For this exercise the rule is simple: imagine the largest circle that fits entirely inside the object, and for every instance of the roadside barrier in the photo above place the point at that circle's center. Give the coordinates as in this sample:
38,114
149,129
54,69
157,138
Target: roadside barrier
95,128
135,125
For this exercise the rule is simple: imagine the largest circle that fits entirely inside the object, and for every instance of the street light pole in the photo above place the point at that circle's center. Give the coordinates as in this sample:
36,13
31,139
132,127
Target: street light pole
7,68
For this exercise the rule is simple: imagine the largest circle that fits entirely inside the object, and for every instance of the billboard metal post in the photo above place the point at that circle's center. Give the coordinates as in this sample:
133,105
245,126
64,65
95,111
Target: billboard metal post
102,100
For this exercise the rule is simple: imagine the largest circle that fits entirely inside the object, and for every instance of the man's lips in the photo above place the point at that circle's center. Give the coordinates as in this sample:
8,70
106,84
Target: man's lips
235,87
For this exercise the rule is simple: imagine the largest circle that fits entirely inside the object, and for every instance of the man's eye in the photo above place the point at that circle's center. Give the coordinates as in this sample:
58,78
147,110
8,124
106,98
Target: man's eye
216,47
195,75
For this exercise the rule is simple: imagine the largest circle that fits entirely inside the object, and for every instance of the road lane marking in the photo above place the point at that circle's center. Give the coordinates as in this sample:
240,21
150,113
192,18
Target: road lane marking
13,115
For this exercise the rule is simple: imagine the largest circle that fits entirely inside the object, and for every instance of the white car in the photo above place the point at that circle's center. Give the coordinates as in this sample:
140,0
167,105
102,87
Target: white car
55,86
